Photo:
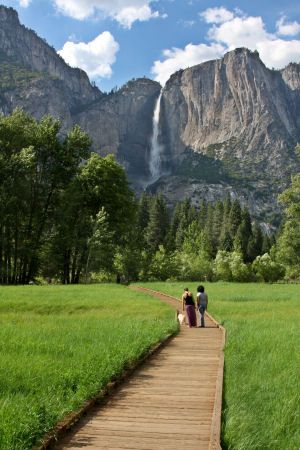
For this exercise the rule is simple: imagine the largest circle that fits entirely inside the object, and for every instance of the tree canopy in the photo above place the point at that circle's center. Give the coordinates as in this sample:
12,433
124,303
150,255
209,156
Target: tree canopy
51,190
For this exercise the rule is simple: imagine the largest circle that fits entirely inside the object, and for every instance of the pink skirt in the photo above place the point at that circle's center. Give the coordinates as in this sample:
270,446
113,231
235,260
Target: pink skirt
191,315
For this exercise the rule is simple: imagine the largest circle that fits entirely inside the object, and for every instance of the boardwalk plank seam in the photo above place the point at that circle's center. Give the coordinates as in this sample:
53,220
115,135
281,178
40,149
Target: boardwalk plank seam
152,411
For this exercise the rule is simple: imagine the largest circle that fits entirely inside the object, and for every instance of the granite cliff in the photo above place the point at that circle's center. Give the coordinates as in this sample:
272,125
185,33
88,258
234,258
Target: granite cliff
226,126
231,125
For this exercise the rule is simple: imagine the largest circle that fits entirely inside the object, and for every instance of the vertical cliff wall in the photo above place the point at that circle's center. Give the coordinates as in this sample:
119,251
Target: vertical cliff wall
231,125
225,126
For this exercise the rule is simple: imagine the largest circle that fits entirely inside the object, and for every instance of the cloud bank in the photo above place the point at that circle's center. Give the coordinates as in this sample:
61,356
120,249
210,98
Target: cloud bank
229,30
95,57
126,12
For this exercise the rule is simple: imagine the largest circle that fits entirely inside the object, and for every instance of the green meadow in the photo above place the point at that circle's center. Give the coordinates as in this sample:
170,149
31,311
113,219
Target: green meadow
261,405
60,345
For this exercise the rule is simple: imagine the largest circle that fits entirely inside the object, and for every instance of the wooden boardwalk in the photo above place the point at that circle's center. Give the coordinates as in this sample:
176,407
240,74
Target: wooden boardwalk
173,402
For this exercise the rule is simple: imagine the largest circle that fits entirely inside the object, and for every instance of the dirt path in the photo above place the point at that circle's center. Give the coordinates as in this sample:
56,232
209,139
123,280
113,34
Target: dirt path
173,402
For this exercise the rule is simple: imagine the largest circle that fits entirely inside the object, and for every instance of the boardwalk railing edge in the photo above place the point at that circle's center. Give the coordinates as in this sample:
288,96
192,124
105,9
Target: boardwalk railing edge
66,424
215,435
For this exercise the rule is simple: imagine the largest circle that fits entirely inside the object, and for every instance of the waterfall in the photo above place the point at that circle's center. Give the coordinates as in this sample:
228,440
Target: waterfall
156,149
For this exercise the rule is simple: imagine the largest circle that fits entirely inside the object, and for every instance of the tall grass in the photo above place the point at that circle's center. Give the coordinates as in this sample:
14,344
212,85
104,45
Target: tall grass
261,407
59,345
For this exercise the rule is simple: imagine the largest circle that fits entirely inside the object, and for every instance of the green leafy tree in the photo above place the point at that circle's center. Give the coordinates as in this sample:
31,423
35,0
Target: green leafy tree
128,262
163,265
38,167
240,271
100,244
222,267
289,239
267,269
192,243
229,266
100,184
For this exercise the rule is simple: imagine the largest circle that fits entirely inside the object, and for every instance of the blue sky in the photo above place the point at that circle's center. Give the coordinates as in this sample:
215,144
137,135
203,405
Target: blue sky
117,40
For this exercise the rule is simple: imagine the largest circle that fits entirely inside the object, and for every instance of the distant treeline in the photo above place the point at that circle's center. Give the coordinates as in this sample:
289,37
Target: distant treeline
68,215
184,243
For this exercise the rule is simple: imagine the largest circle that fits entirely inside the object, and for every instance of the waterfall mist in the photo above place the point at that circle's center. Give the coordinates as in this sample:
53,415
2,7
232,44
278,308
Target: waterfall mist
156,148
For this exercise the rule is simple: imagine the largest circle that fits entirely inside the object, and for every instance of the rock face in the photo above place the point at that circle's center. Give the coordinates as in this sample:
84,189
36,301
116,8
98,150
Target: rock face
23,45
234,122
226,126
34,77
233,104
121,123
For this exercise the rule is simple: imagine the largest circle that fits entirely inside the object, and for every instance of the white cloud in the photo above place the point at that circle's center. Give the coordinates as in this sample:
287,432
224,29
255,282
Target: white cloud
95,57
279,53
127,16
24,3
177,58
240,32
126,12
229,30
80,10
217,15
287,28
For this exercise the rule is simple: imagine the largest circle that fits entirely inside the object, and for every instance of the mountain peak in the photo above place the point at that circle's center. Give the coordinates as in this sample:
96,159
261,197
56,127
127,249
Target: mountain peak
9,15
26,48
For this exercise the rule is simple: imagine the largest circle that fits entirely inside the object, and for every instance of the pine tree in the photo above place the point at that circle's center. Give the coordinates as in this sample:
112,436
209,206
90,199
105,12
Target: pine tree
202,214
254,247
244,233
158,226
143,215
176,218
226,242
143,212
217,223
267,243
227,209
210,250
183,222
235,218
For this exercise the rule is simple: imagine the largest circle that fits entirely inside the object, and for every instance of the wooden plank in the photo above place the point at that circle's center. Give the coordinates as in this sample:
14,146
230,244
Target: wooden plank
171,402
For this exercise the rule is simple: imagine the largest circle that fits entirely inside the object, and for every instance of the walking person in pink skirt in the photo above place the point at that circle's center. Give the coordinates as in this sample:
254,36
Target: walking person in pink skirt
188,305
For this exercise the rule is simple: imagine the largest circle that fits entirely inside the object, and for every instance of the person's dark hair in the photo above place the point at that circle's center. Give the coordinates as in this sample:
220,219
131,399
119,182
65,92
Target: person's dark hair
186,289
200,289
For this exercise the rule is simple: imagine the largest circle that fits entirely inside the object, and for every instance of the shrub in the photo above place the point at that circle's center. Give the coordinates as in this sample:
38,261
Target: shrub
229,266
239,270
163,265
268,269
194,267
222,268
